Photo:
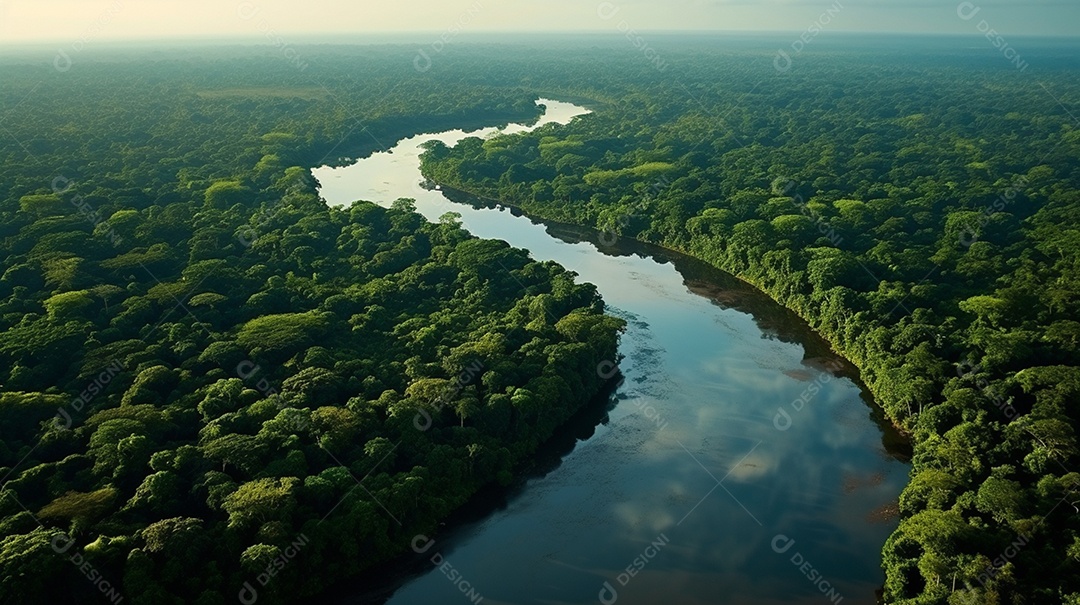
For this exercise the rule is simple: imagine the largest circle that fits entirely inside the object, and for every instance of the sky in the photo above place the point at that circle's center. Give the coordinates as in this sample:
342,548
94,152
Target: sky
73,21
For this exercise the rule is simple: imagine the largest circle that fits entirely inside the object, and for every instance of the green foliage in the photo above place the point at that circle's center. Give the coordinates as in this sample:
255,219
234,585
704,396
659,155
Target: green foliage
925,222
76,506
286,331
261,501
227,355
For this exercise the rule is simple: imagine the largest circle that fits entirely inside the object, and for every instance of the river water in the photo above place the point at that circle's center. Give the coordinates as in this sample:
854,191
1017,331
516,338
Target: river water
739,462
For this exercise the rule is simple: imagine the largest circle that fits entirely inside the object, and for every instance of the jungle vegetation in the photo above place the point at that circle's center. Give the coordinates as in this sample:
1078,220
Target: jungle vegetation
920,209
204,368
245,355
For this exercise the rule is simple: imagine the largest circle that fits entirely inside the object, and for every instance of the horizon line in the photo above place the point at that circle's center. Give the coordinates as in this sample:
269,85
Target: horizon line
312,38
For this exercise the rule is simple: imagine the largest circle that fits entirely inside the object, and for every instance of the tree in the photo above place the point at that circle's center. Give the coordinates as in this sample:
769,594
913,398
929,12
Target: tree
244,452
68,305
160,491
261,501
105,443
29,566
282,332
223,194
1002,498
986,308
82,508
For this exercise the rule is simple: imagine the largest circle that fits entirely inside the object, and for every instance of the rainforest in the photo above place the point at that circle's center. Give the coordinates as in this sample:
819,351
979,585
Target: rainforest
342,326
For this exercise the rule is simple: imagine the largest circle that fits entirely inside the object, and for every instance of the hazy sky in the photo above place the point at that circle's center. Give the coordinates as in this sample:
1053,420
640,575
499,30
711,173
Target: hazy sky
99,20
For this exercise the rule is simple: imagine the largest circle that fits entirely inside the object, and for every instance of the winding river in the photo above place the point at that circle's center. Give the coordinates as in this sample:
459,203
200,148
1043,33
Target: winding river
739,462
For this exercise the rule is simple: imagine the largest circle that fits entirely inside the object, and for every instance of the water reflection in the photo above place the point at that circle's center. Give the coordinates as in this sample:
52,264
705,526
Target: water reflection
689,452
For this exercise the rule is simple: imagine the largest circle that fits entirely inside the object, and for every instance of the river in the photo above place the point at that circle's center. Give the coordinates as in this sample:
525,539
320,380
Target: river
739,462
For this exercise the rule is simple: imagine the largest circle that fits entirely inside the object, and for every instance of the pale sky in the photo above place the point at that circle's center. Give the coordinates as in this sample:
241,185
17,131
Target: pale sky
101,20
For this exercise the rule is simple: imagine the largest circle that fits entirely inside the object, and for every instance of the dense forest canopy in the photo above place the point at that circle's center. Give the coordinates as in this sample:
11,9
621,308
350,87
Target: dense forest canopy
922,212
205,370
230,357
